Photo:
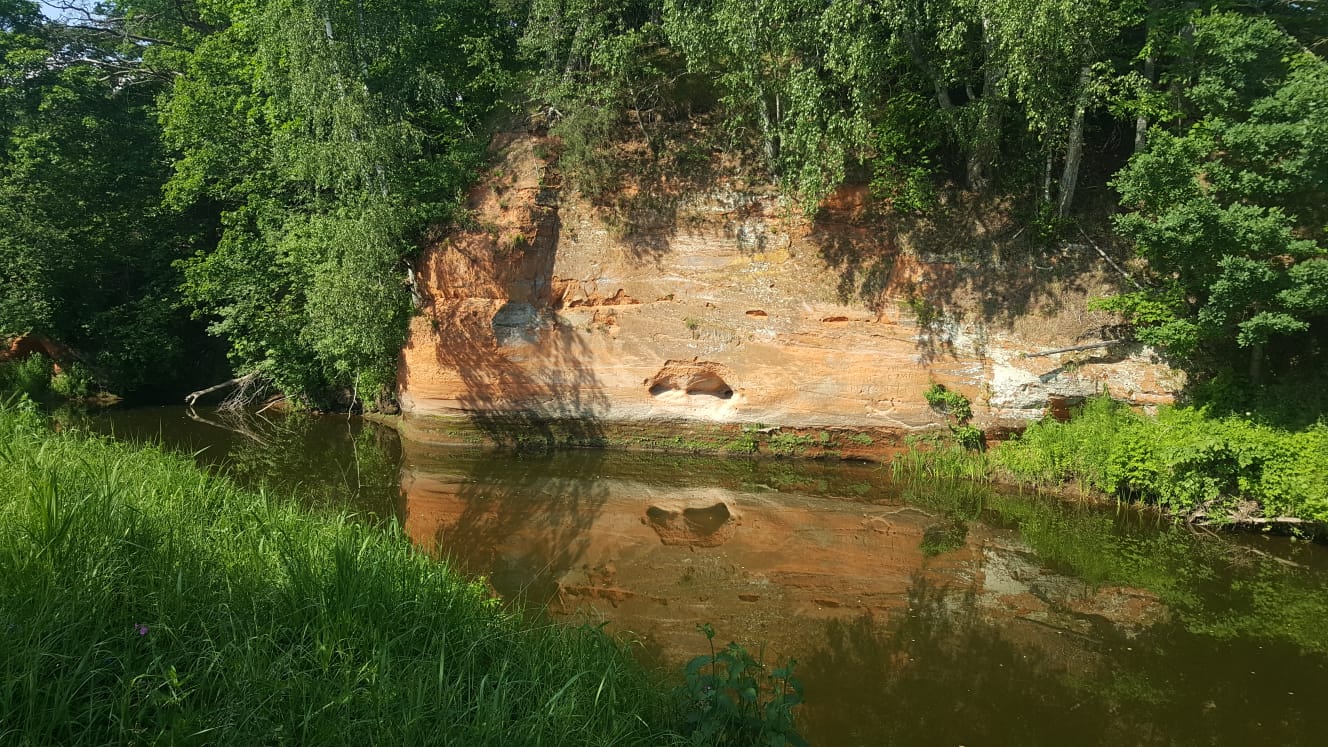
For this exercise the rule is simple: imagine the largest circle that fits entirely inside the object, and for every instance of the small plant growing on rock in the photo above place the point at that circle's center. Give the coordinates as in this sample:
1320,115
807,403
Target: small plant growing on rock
926,312
951,403
788,444
959,411
693,325
730,698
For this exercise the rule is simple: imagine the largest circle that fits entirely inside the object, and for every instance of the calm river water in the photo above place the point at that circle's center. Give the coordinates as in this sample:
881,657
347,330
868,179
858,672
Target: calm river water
919,612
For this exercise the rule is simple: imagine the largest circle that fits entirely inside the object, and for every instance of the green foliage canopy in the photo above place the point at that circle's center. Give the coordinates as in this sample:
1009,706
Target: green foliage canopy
1228,210
86,248
327,136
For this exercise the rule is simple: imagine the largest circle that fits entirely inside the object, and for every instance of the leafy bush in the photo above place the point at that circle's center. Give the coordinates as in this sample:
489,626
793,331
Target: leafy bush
73,382
951,403
1181,459
730,698
957,406
29,376
968,436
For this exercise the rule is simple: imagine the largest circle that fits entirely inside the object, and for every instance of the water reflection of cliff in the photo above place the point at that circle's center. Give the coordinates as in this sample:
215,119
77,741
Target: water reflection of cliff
913,625
921,613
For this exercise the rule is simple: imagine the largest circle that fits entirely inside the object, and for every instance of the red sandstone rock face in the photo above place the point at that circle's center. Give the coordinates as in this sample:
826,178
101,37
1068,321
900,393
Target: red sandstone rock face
26,345
734,310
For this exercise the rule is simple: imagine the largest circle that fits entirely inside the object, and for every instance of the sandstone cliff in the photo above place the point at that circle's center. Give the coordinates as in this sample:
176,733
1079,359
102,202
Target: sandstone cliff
725,305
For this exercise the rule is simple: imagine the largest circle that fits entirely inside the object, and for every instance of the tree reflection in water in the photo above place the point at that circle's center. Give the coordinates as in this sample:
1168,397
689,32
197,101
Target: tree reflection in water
332,463
944,673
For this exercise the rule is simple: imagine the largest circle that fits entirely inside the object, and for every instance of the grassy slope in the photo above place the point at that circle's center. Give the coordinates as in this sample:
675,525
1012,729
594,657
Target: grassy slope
144,602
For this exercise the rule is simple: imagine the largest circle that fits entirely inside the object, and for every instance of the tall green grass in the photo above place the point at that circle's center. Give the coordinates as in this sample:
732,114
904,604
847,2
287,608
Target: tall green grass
144,602
1181,459
936,458
30,377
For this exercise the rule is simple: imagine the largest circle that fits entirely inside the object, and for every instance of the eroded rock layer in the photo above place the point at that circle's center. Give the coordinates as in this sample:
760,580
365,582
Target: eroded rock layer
732,308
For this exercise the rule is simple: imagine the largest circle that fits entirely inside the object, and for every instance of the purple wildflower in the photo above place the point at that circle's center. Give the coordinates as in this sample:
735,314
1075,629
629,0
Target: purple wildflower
141,629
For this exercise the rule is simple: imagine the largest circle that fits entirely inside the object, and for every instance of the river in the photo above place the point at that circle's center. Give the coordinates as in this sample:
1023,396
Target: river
918,611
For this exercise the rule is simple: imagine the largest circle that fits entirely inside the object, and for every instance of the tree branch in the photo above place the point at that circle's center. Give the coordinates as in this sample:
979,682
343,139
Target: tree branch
1075,348
193,397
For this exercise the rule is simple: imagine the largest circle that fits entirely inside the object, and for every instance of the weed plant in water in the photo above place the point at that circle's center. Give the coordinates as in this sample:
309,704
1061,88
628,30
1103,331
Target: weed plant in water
731,698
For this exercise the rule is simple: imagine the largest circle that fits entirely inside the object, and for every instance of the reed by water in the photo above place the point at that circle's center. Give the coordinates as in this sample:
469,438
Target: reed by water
145,602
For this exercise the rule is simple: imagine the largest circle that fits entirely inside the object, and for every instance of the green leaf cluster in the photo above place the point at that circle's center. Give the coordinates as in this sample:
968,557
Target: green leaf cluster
327,137
1227,208
1183,459
86,247
730,697
957,407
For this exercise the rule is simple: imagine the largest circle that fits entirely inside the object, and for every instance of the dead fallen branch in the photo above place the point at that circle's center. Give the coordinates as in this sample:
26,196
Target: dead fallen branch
1075,348
1111,261
239,381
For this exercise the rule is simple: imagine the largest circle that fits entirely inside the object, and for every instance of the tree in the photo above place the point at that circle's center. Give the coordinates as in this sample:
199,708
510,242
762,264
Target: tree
327,135
597,64
768,61
86,250
1055,56
1229,211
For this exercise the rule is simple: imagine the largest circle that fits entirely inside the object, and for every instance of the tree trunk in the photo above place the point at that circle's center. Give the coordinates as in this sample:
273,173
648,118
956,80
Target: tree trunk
986,140
1046,176
769,139
1074,146
1150,76
922,60
942,95
986,145
193,397
1141,121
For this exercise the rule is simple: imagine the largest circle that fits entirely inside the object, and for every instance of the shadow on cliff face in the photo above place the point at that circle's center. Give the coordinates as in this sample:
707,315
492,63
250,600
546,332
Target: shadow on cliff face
490,343
946,673
968,261
641,190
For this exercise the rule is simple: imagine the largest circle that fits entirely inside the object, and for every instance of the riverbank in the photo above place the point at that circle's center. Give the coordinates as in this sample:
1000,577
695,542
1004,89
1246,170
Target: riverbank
143,601
1109,624
1226,471
1199,467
